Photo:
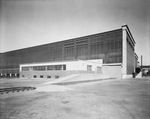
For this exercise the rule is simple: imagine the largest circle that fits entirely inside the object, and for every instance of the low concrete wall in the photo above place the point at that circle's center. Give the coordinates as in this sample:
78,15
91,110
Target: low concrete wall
9,71
139,75
83,77
114,71
127,76
50,74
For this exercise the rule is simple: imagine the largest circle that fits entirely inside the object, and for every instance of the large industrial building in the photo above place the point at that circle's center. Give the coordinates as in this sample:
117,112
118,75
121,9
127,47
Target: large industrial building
111,53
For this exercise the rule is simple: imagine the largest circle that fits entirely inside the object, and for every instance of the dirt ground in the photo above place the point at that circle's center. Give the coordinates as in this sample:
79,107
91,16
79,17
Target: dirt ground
111,99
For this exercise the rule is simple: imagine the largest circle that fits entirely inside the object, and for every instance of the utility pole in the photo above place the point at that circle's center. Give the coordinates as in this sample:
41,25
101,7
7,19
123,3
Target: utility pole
149,42
141,61
141,64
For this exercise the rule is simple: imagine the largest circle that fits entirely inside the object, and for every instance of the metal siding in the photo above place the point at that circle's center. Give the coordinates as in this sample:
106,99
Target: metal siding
106,46
130,57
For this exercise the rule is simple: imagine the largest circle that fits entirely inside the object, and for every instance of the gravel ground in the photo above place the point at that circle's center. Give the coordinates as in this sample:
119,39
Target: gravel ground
111,99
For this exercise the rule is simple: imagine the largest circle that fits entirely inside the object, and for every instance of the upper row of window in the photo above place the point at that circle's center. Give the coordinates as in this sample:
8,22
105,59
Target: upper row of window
43,68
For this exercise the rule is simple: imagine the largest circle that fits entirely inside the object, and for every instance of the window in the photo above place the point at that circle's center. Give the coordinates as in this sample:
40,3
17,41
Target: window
120,44
39,68
102,47
58,53
108,46
99,69
89,67
64,67
50,67
25,68
112,45
56,77
93,48
34,76
48,76
69,52
17,75
82,51
56,67
41,76
34,68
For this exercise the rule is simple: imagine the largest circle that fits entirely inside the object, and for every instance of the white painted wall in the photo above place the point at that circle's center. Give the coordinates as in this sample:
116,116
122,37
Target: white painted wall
114,71
128,54
75,65
70,65
124,51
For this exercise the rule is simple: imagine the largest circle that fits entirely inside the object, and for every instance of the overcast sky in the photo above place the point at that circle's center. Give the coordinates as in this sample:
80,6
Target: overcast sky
26,23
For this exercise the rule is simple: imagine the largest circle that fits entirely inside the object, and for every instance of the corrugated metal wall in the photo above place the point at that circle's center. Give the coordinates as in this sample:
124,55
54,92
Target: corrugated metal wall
106,46
130,56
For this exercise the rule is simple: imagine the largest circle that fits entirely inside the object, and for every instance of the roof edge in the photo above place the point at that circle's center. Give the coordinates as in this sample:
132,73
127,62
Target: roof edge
128,30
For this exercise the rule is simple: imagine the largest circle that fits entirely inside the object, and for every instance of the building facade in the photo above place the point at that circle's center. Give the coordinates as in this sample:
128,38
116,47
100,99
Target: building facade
59,69
115,48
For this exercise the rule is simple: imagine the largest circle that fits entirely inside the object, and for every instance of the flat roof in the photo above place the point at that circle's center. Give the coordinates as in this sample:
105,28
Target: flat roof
59,62
128,30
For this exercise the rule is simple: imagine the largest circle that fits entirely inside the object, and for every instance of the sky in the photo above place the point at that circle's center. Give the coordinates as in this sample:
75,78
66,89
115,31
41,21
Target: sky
27,23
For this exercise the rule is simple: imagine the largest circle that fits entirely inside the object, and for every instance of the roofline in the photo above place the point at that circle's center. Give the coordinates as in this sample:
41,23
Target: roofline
146,66
136,55
128,30
112,64
63,61
61,41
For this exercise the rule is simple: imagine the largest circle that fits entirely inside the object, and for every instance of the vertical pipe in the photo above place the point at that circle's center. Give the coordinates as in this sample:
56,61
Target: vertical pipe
141,61
141,64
